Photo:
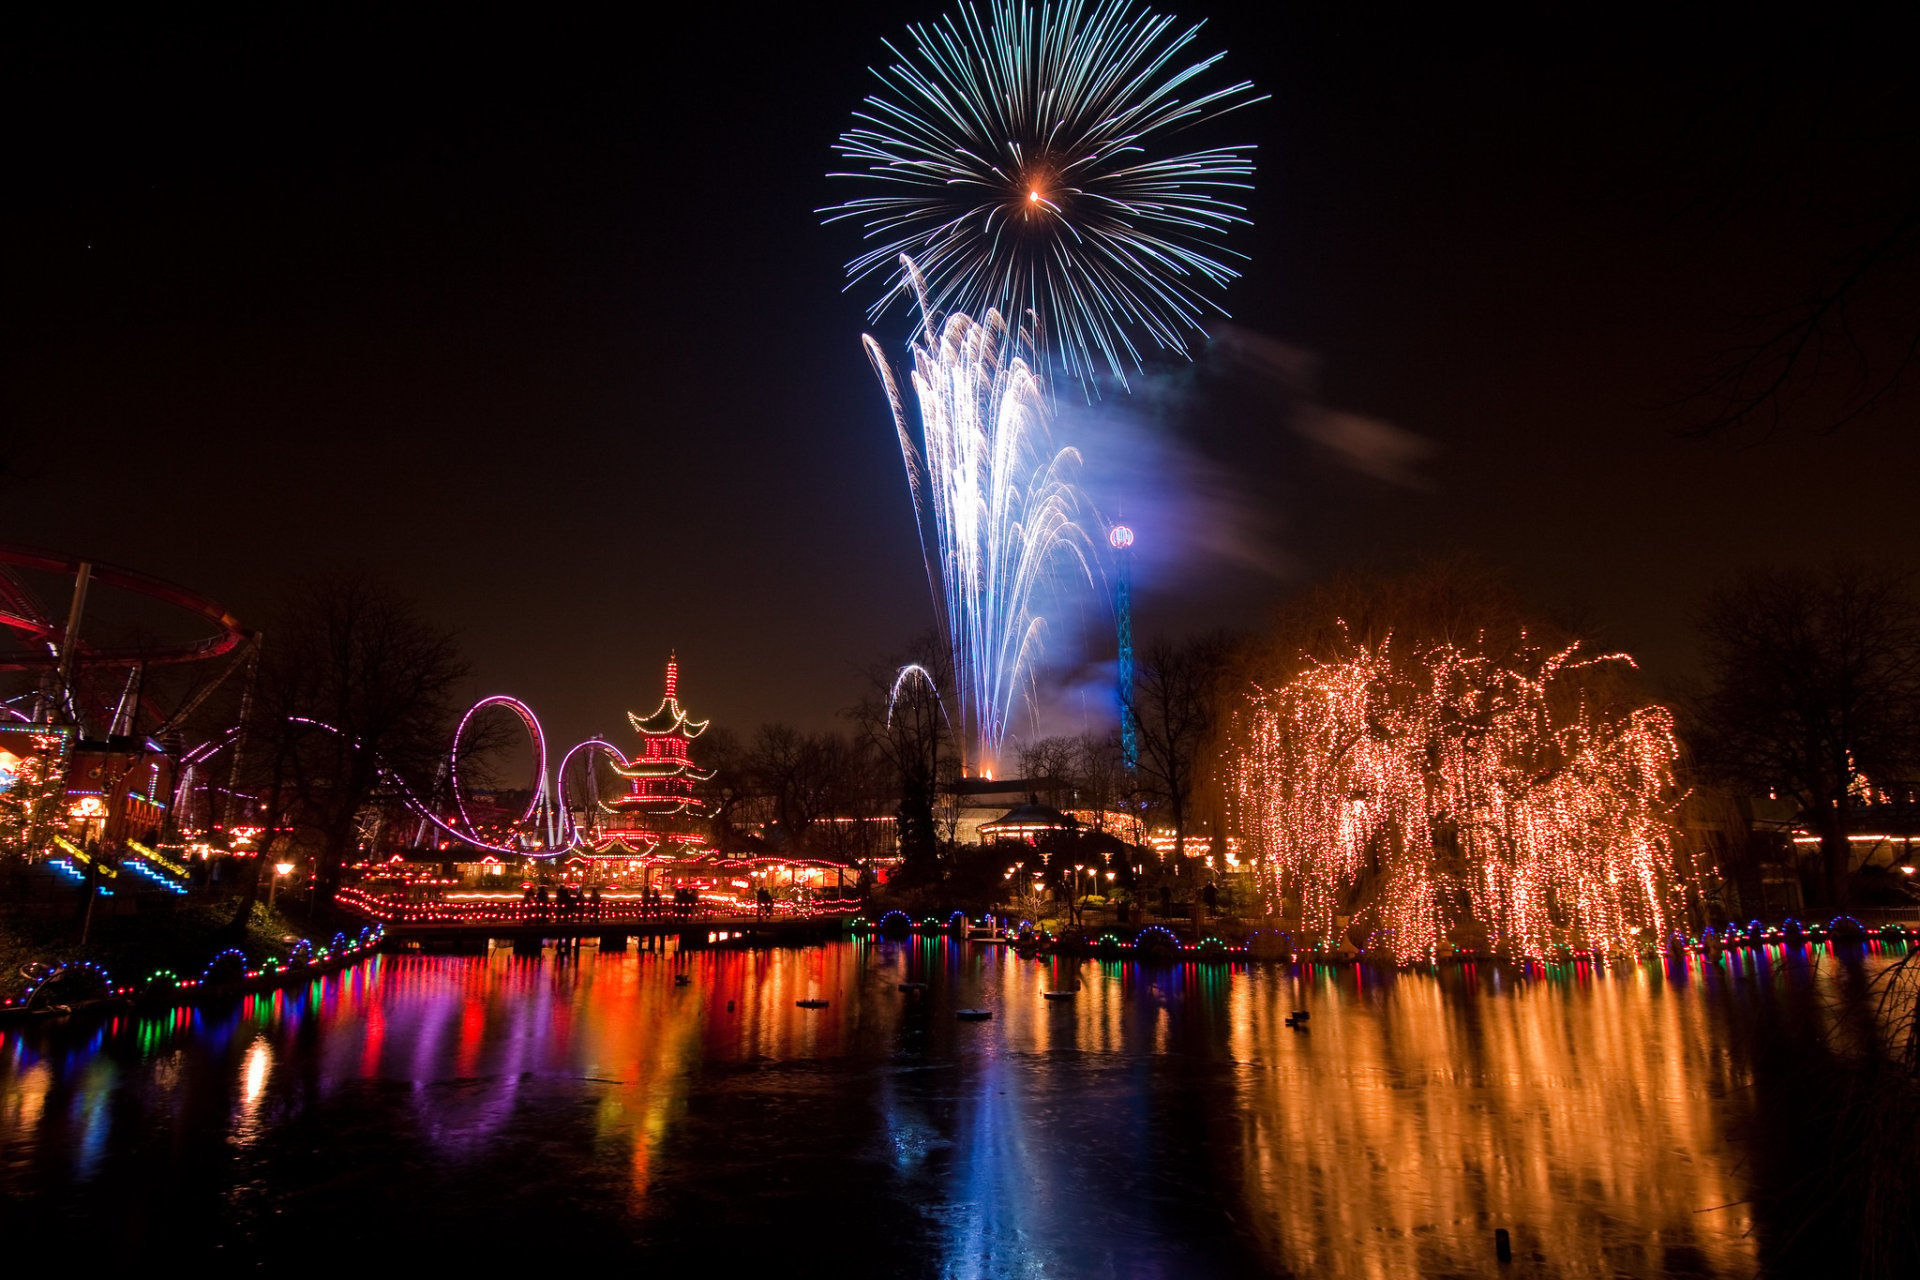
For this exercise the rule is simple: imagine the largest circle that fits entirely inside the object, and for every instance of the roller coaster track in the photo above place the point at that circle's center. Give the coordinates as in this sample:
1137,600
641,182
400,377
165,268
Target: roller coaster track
549,829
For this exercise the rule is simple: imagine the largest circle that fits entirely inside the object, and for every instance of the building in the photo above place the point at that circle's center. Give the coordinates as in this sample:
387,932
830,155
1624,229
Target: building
117,789
97,792
662,813
1029,822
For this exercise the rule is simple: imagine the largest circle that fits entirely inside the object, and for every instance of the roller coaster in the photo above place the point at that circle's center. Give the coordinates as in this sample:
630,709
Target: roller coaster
565,811
33,639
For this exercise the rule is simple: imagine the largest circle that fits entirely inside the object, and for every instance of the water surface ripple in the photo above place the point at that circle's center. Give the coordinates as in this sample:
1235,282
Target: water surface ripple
1164,1122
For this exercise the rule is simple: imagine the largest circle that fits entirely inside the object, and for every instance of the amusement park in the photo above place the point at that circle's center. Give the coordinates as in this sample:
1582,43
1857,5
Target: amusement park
137,772
159,751
975,639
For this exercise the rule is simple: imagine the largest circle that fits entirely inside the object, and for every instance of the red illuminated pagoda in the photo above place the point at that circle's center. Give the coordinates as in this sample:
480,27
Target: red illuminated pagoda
663,775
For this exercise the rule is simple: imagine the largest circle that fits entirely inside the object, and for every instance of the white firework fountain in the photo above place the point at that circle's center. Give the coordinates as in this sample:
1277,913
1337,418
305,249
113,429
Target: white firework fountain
996,504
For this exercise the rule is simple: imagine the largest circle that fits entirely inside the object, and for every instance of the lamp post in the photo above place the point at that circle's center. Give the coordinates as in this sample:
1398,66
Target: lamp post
280,872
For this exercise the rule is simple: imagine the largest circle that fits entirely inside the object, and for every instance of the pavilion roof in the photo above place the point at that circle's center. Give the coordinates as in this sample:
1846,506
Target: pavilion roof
662,767
1031,816
668,717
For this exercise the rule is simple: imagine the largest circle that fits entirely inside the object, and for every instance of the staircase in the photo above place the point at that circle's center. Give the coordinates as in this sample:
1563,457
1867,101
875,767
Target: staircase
142,873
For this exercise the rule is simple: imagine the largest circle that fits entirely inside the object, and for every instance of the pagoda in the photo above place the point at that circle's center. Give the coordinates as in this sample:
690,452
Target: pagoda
661,805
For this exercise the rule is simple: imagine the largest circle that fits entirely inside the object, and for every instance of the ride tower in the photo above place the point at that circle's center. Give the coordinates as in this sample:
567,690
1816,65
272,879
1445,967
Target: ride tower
1120,538
661,808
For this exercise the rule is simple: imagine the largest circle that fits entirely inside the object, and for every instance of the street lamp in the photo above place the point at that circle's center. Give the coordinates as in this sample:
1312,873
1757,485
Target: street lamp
280,871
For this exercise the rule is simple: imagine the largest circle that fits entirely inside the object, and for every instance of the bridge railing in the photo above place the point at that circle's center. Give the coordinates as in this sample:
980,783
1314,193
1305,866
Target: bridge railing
611,908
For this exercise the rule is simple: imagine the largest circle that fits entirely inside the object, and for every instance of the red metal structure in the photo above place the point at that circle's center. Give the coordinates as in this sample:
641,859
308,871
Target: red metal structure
37,635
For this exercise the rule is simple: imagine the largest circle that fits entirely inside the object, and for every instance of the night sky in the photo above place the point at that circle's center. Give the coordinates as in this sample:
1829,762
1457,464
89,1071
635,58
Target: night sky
535,317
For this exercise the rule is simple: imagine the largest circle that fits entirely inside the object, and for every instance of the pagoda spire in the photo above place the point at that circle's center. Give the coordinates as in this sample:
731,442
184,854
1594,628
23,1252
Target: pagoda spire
663,775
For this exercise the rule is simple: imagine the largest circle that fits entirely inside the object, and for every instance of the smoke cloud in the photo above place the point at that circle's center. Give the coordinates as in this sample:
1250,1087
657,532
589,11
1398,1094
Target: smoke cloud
1207,463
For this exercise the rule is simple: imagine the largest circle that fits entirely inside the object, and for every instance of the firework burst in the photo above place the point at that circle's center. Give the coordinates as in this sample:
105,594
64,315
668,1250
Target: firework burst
1446,793
1033,160
996,506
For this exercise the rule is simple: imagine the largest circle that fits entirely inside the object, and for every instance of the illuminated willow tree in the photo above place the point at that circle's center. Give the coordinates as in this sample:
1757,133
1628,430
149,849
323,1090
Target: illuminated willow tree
1447,785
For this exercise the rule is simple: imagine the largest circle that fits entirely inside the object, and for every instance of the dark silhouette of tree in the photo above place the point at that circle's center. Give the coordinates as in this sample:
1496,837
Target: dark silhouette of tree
1100,771
1174,706
733,783
905,722
1831,343
1813,689
795,769
356,699
858,799
1051,770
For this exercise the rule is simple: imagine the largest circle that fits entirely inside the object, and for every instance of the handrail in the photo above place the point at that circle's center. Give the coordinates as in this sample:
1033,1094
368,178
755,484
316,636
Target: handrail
86,859
151,856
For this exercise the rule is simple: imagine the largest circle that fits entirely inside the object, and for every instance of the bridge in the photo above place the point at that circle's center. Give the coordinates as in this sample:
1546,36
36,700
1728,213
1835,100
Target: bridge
466,922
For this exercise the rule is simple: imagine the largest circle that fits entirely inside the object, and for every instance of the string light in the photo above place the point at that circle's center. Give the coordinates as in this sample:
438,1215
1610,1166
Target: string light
1448,791
165,983
1158,941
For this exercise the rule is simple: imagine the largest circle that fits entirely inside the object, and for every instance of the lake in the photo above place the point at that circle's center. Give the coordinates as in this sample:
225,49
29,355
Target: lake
1166,1121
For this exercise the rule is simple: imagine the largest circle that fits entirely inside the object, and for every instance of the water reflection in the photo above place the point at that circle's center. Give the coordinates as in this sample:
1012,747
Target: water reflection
1413,1123
259,1063
1161,1121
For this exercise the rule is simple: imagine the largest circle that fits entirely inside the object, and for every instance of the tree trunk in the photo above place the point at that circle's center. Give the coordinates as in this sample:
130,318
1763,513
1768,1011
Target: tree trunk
249,896
250,886
337,851
1836,857
1179,808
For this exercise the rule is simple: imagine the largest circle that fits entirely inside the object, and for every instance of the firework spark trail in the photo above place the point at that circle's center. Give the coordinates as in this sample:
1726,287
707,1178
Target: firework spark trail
996,506
1029,161
906,676
1427,790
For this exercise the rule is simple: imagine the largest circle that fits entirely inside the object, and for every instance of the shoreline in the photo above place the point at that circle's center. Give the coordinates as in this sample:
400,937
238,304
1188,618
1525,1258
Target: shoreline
1160,942
164,989
1152,944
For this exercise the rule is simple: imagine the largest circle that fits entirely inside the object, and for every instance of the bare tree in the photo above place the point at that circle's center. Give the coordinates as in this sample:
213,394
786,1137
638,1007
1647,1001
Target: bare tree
1829,343
1813,689
904,719
733,782
357,700
782,767
1101,768
1050,768
803,773
857,795
1173,707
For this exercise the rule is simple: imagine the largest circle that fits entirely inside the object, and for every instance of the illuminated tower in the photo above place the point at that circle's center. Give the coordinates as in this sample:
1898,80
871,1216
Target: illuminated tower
662,772
1120,538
